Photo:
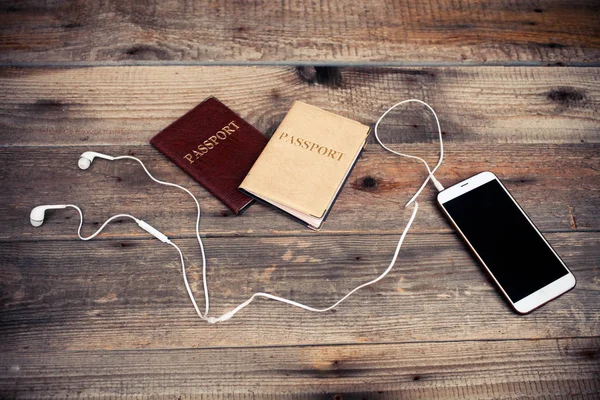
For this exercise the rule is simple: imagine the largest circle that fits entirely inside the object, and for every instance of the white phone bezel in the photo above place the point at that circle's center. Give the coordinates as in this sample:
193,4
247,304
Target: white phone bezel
535,299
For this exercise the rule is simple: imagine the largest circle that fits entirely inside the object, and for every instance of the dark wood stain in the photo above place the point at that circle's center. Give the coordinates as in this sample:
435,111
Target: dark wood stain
307,73
323,75
275,94
590,354
520,180
48,104
462,26
553,45
369,182
72,25
334,372
366,183
424,72
273,127
146,52
567,96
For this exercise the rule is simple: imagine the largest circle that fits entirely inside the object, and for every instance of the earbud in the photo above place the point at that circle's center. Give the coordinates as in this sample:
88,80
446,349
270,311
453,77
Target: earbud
85,160
37,214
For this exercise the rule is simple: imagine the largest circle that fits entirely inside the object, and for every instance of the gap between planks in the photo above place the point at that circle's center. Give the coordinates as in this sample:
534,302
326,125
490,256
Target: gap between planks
328,345
276,234
295,63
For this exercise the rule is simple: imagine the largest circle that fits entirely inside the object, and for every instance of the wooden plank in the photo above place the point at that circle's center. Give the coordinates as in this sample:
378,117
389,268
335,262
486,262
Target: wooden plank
563,368
475,31
556,184
129,294
128,105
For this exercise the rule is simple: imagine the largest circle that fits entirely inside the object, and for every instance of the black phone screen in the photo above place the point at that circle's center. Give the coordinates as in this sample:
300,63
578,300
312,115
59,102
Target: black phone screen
515,253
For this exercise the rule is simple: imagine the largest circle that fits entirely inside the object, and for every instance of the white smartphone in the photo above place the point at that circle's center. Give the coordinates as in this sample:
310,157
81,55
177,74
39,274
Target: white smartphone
518,258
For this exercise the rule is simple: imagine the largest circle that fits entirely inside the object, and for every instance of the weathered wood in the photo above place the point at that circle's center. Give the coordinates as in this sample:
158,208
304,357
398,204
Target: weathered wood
128,105
476,370
556,184
111,318
552,32
126,294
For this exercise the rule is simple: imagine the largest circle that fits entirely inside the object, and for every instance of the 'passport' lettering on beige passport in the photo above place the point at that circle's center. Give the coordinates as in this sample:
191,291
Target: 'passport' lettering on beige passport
311,146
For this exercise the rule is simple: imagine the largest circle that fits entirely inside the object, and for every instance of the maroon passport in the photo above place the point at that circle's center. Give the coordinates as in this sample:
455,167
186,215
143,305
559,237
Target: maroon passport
216,147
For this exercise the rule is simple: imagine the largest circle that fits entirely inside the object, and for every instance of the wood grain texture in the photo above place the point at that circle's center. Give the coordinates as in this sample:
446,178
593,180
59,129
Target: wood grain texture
434,31
533,369
129,294
556,184
129,105
110,318
481,109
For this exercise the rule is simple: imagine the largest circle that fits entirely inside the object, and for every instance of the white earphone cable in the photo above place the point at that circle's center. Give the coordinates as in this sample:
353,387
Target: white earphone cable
101,227
140,222
231,313
204,279
437,184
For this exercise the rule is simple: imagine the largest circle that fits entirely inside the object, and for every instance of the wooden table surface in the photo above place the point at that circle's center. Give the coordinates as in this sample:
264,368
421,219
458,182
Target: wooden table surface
517,87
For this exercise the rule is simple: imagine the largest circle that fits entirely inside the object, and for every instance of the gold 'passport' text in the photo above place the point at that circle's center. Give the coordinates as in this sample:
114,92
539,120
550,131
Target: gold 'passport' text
211,142
311,146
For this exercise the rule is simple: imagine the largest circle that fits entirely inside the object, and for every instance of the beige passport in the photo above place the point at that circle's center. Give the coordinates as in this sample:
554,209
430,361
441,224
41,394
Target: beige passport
306,162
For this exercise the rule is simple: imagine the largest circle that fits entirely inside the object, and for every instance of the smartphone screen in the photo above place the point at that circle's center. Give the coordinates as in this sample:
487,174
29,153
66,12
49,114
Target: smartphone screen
511,248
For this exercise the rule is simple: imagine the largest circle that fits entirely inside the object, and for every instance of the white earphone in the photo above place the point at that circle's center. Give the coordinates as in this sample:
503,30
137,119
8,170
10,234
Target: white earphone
86,159
36,217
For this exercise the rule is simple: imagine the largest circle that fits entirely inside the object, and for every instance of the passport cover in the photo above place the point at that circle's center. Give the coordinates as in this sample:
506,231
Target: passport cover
306,162
216,147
